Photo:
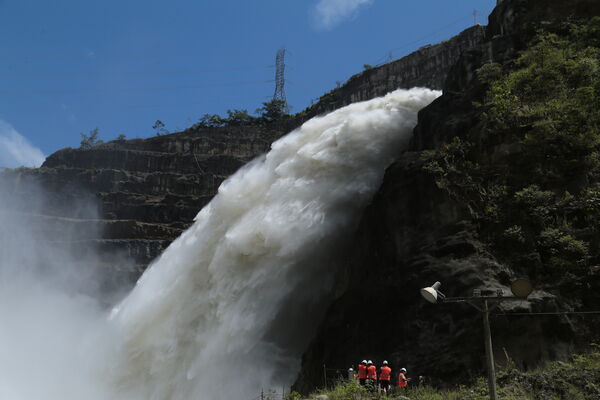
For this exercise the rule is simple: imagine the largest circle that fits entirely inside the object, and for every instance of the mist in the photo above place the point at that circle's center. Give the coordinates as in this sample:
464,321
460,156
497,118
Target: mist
239,294
230,305
56,341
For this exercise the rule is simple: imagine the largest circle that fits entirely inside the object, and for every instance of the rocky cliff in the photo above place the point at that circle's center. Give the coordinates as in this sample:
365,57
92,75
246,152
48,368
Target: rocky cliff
426,67
130,198
127,200
415,233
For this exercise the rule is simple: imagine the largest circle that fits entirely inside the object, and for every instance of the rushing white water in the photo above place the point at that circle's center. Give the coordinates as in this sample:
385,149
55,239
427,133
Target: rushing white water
229,307
225,310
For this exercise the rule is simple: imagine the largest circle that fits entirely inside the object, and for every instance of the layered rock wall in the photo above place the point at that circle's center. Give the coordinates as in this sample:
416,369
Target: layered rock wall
426,67
138,195
127,200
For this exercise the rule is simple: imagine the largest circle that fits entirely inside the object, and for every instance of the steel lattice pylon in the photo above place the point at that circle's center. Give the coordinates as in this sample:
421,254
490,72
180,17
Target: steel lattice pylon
280,78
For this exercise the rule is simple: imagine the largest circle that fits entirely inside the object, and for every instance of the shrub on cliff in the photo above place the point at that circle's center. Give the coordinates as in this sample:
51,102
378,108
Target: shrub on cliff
530,170
271,111
91,139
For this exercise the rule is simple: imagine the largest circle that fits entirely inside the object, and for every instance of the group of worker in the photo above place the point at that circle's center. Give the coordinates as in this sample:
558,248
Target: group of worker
367,376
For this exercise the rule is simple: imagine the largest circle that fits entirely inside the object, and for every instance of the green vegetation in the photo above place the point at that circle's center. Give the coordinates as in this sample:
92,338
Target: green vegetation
271,111
577,379
529,172
91,139
159,128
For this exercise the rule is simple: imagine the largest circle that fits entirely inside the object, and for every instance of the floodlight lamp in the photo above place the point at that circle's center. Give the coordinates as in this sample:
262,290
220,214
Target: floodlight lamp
431,293
521,288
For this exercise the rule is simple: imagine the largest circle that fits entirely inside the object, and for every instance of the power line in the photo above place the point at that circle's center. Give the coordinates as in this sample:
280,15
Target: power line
184,103
92,56
164,105
141,89
432,33
117,73
552,313
427,36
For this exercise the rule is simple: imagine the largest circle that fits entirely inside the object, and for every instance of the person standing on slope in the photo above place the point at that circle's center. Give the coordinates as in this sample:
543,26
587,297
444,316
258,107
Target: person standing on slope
402,379
362,373
371,375
385,373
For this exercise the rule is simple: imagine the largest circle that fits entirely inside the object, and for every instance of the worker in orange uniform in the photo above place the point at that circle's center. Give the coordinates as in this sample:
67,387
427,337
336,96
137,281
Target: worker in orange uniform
384,377
402,379
362,373
371,375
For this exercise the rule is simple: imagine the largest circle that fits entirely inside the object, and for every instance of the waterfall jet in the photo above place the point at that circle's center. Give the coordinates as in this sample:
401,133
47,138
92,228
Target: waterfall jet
226,309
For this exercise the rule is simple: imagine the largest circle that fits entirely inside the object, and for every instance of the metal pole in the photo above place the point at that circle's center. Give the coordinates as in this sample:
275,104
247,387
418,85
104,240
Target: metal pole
489,354
324,376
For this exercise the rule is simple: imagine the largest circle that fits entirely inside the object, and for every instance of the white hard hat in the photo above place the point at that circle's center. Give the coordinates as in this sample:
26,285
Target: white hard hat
384,362
370,362
403,369
363,362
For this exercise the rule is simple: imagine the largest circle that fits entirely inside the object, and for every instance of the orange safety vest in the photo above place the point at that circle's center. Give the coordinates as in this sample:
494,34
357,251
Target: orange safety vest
385,373
372,372
402,381
362,371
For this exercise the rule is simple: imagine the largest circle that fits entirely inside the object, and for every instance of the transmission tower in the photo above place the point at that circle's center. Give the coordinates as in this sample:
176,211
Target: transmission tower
280,78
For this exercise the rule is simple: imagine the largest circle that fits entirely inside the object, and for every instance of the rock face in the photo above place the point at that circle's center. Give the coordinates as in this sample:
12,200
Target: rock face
131,198
413,234
426,67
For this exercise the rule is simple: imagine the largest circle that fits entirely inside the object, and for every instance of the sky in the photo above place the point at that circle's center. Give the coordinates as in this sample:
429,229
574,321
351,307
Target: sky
69,66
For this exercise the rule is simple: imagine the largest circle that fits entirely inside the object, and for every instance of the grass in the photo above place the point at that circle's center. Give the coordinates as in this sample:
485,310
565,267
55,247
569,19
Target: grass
577,379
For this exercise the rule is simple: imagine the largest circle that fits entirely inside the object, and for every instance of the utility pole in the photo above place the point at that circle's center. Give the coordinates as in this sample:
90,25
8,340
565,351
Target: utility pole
521,288
280,78
489,353
475,17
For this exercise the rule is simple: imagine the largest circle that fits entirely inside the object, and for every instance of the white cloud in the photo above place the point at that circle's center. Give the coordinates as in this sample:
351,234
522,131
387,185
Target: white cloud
15,149
329,13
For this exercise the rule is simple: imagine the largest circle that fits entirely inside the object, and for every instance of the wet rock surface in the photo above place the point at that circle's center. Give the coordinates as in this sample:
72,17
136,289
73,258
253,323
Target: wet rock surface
414,234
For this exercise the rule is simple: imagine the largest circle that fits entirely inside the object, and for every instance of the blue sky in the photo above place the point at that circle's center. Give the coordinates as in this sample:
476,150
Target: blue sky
73,65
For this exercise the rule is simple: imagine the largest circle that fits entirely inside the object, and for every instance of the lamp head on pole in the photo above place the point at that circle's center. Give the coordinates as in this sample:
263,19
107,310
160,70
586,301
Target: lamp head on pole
521,288
432,294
